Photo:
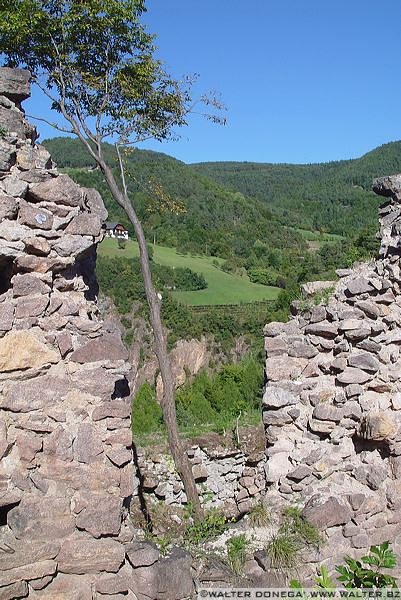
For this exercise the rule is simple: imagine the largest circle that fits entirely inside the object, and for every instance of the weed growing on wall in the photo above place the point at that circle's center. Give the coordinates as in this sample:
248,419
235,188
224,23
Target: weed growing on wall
365,573
236,553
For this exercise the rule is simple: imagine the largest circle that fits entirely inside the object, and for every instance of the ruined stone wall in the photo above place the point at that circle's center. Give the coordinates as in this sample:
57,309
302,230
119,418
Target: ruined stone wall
230,474
332,403
65,443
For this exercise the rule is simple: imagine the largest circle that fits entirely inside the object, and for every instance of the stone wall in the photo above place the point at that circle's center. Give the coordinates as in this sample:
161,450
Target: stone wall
230,473
65,442
332,403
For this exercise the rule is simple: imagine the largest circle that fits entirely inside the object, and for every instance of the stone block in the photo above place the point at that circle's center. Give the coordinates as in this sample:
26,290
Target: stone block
142,553
35,394
27,572
364,361
72,245
280,367
31,306
6,316
37,246
276,397
7,156
13,591
101,515
35,217
324,513
352,375
302,350
88,443
275,346
112,585
119,409
378,426
15,84
49,520
23,350
27,284
359,285
174,579
105,347
88,555
84,224
327,412
60,190
323,329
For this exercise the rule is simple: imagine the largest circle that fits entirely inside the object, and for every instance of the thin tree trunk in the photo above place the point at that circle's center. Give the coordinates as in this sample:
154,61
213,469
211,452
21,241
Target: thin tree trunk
177,448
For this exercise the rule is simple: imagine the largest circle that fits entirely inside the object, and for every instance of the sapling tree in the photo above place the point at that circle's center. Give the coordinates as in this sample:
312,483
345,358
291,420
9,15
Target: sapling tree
96,62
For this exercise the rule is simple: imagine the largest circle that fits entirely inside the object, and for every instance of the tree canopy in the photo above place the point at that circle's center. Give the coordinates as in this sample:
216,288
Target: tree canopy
96,62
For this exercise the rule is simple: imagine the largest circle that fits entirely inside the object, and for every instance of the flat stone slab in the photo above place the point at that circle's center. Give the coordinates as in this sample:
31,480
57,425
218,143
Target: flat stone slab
23,350
276,397
60,190
280,367
86,555
353,375
326,513
105,347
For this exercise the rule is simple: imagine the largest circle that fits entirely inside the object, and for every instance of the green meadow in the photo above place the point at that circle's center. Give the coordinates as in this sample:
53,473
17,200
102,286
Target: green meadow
316,236
223,288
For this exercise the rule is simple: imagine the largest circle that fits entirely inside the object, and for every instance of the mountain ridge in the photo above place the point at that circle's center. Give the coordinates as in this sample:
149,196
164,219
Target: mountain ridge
328,188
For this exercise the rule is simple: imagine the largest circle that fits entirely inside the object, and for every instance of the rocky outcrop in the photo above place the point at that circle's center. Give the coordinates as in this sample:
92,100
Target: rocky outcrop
332,409
65,445
187,358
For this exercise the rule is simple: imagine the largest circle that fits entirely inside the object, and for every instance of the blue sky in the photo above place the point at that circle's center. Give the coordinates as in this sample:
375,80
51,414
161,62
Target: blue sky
303,80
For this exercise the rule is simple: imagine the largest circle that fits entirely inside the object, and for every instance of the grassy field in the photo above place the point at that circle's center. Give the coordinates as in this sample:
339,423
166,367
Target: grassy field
315,239
316,236
223,288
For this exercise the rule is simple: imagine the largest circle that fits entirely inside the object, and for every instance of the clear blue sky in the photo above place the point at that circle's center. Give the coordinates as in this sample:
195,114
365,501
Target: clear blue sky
303,80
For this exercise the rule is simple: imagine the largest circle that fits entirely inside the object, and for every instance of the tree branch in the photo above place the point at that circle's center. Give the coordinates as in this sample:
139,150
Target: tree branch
52,124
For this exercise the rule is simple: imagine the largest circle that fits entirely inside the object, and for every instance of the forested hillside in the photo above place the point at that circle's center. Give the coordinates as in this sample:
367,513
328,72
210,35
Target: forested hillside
266,221
335,197
178,206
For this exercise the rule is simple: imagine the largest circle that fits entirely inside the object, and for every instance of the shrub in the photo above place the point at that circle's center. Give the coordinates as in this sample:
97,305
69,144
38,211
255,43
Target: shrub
217,400
263,275
357,574
147,416
186,279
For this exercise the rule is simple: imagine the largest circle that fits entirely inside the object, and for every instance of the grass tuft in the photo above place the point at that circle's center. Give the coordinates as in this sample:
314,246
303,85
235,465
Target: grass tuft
259,515
283,551
236,553
295,525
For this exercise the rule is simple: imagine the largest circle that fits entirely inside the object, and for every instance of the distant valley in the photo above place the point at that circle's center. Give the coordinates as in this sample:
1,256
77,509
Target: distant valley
271,225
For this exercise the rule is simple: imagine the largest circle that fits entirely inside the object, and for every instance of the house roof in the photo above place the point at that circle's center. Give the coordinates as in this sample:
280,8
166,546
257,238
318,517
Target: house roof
112,225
